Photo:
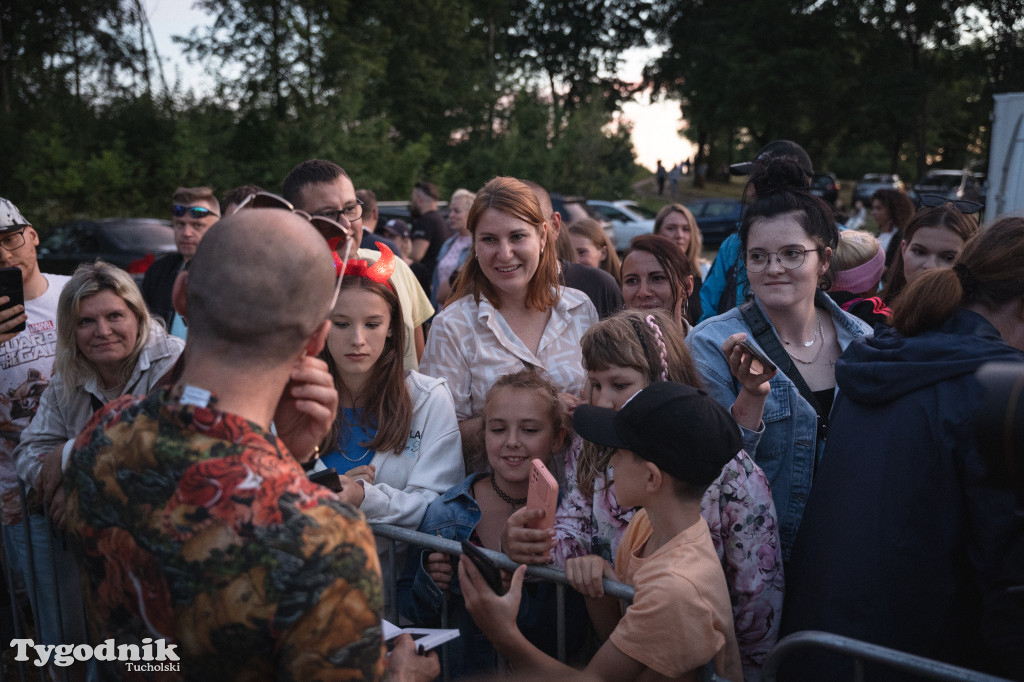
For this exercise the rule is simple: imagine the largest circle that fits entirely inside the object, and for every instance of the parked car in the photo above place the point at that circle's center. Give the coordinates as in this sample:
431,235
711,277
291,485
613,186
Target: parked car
628,218
129,243
826,186
387,210
574,208
717,218
871,183
952,184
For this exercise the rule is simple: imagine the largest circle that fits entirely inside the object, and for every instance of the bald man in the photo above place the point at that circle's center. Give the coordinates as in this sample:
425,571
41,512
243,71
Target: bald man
598,285
195,525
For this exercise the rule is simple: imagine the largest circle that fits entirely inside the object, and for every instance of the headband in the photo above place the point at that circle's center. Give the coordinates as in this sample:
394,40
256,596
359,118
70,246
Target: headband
380,272
864,277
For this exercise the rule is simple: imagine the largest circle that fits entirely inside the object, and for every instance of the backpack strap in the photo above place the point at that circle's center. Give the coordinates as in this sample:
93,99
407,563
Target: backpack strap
762,331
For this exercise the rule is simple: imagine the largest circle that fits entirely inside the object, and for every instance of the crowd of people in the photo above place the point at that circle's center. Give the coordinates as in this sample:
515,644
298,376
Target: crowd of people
782,442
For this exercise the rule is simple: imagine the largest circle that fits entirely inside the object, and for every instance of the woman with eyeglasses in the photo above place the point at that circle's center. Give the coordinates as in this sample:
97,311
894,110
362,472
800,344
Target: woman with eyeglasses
912,538
934,239
787,238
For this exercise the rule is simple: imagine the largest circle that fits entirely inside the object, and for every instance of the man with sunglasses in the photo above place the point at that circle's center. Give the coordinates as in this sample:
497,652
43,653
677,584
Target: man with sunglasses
194,210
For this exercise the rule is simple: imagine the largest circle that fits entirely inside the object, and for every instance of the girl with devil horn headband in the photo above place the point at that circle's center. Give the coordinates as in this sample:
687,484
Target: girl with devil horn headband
396,440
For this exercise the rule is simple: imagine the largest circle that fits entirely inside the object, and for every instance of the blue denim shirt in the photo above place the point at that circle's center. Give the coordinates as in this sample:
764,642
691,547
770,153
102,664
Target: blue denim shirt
453,516
786,447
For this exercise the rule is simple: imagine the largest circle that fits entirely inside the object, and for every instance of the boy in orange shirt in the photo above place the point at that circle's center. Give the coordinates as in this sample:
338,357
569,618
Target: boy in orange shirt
672,442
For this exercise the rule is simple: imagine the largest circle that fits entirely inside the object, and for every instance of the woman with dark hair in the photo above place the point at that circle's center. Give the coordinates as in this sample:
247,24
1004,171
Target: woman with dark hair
507,311
891,210
395,440
933,239
656,274
908,537
787,237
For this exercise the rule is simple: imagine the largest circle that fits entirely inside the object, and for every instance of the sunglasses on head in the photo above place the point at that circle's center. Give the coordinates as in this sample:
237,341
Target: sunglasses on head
331,230
197,212
962,205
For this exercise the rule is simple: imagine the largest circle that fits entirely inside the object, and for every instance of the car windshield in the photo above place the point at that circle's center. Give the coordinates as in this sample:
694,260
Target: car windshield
876,178
643,211
942,180
142,236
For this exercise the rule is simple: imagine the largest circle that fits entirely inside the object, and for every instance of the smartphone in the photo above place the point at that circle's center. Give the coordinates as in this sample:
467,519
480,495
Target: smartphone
767,366
11,286
543,494
487,567
328,478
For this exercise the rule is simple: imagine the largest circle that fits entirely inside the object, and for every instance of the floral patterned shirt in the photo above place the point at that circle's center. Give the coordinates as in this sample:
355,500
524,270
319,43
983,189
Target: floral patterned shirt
198,527
744,528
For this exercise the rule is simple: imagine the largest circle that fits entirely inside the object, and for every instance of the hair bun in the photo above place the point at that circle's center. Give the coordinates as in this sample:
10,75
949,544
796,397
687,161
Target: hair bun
777,174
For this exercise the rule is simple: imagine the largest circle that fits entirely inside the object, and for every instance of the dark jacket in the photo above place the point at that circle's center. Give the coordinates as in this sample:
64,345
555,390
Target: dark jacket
904,532
157,284
598,285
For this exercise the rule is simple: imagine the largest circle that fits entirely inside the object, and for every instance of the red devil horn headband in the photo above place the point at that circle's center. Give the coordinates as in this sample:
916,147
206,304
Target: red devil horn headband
379,272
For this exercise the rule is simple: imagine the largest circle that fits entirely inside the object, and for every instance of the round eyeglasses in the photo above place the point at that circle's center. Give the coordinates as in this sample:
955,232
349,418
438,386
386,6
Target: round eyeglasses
791,258
13,242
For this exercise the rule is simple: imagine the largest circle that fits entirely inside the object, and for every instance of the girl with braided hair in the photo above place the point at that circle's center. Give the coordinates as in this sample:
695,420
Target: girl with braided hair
622,355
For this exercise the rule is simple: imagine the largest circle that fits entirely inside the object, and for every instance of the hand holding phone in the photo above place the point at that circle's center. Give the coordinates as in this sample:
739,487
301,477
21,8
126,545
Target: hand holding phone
12,287
543,495
766,365
487,567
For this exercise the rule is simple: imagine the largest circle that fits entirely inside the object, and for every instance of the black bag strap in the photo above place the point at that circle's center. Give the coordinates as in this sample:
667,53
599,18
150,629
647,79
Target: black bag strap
763,333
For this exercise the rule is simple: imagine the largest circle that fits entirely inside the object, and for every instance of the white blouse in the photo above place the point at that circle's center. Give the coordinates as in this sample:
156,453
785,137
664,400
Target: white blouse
472,345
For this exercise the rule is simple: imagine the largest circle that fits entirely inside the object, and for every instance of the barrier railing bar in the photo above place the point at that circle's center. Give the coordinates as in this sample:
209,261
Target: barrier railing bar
866,651
439,544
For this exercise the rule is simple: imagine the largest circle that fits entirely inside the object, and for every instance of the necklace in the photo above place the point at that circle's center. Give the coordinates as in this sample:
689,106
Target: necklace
360,458
512,501
821,346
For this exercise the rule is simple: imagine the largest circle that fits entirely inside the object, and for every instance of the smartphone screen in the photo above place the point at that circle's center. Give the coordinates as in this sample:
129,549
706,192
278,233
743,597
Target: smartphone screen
11,287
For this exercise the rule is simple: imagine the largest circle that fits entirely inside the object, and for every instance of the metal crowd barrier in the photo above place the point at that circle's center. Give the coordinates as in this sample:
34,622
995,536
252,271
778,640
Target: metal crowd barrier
865,652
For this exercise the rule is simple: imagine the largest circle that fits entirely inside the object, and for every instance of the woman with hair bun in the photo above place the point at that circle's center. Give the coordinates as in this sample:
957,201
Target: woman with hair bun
907,536
787,237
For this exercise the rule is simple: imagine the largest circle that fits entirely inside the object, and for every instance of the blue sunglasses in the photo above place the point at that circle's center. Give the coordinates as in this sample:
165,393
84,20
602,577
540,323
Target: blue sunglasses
197,212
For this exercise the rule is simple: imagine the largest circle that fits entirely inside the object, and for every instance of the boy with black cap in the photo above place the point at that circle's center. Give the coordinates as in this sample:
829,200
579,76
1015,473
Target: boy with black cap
680,617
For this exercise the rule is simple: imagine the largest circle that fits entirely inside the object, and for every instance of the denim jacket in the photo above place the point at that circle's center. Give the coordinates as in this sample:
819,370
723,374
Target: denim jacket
786,446
454,516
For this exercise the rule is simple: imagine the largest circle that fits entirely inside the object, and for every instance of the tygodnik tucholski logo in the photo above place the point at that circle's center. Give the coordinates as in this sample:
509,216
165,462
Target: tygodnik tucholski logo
152,656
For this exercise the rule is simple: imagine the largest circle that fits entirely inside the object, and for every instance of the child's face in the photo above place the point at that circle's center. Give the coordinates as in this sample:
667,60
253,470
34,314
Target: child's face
517,429
360,326
613,386
630,476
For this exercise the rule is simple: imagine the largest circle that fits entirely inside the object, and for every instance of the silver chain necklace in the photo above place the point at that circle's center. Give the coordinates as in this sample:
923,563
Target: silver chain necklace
808,344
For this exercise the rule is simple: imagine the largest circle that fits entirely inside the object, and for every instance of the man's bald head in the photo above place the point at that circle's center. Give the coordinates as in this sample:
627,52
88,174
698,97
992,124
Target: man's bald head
261,283
553,217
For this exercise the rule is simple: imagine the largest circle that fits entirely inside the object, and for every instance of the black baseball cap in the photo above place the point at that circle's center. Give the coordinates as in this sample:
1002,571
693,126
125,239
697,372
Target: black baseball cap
680,428
785,148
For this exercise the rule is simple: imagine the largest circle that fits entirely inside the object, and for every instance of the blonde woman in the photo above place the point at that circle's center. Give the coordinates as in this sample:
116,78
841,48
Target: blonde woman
677,223
593,247
453,252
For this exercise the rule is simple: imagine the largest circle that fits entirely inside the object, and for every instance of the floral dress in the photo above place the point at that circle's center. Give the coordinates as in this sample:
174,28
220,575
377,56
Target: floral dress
739,511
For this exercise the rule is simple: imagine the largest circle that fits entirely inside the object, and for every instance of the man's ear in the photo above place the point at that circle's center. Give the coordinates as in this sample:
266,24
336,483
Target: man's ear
556,224
316,342
179,293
